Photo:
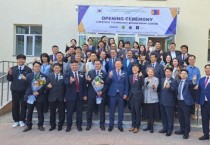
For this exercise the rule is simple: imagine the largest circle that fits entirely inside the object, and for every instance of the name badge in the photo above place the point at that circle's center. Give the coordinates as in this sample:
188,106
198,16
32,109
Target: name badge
19,77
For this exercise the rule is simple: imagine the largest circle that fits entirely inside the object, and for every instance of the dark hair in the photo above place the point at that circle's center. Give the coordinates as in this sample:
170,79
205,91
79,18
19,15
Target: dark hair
45,55
207,65
184,70
192,56
122,43
21,56
56,64
72,47
74,40
103,37
60,52
92,53
177,60
136,65
170,57
144,48
97,60
184,46
118,60
153,53
90,39
157,42
54,46
84,44
78,47
169,68
74,61
136,43
127,42
36,62
172,43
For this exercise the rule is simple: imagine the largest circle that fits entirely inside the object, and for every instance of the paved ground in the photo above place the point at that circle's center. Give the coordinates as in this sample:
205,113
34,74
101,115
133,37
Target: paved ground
15,136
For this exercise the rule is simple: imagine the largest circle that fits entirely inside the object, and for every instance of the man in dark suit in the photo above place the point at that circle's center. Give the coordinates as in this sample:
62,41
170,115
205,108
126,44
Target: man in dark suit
183,57
17,75
92,94
111,62
185,101
128,62
75,93
167,101
172,52
125,50
38,95
118,91
104,64
136,97
203,98
100,48
56,95
55,50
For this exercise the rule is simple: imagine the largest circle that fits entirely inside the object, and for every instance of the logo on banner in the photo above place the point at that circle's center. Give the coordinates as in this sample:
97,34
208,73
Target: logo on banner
130,27
99,10
155,12
123,27
137,27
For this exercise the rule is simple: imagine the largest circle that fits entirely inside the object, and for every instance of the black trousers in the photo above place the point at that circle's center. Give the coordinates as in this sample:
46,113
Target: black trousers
101,109
40,107
46,103
19,106
205,112
135,106
61,112
184,117
70,106
167,113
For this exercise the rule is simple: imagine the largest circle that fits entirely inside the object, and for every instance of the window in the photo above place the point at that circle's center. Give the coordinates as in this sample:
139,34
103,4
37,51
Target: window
28,40
209,47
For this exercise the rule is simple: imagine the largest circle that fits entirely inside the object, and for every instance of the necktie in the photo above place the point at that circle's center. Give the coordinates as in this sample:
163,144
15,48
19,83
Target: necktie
97,73
206,82
118,74
153,65
134,79
113,61
180,90
56,78
20,69
77,82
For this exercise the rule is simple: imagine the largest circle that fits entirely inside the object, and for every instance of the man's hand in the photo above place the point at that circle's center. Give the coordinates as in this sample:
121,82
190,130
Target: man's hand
167,85
99,93
72,80
35,93
9,70
23,77
88,78
85,98
49,85
110,74
124,97
196,87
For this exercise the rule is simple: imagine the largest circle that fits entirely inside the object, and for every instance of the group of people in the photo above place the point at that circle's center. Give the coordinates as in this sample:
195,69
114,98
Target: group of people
151,82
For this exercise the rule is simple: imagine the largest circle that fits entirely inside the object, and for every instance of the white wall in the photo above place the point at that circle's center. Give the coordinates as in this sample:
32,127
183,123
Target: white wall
59,21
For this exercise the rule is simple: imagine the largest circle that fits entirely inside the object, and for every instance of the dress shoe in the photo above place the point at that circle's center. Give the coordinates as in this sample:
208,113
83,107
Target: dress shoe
168,133
131,129
110,129
79,128
102,127
204,138
151,129
88,128
162,131
186,136
68,129
41,128
27,128
136,130
52,128
120,129
60,128
146,129
179,132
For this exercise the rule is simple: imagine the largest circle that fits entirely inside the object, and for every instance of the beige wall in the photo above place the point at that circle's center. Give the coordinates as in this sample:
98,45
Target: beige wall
59,21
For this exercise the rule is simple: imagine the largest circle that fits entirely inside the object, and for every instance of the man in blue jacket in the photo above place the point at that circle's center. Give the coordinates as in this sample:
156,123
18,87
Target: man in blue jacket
203,98
118,91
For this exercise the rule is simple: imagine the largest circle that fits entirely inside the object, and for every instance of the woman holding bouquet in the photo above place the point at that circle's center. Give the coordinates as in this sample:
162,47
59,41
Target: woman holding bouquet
35,95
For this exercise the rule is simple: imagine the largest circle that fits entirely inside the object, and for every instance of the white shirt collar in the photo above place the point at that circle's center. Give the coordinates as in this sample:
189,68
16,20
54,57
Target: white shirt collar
22,67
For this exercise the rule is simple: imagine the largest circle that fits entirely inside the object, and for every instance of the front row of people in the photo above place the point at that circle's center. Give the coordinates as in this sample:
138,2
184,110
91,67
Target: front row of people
72,88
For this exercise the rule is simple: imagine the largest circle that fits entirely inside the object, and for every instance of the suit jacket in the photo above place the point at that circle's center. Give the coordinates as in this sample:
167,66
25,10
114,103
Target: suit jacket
41,97
111,65
93,49
181,61
91,92
188,91
135,89
71,93
169,53
203,91
57,92
168,96
128,69
18,85
64,69
116,84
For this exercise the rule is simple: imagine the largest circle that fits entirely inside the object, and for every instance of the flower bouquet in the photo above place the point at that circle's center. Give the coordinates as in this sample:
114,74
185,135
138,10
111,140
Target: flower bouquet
98,84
